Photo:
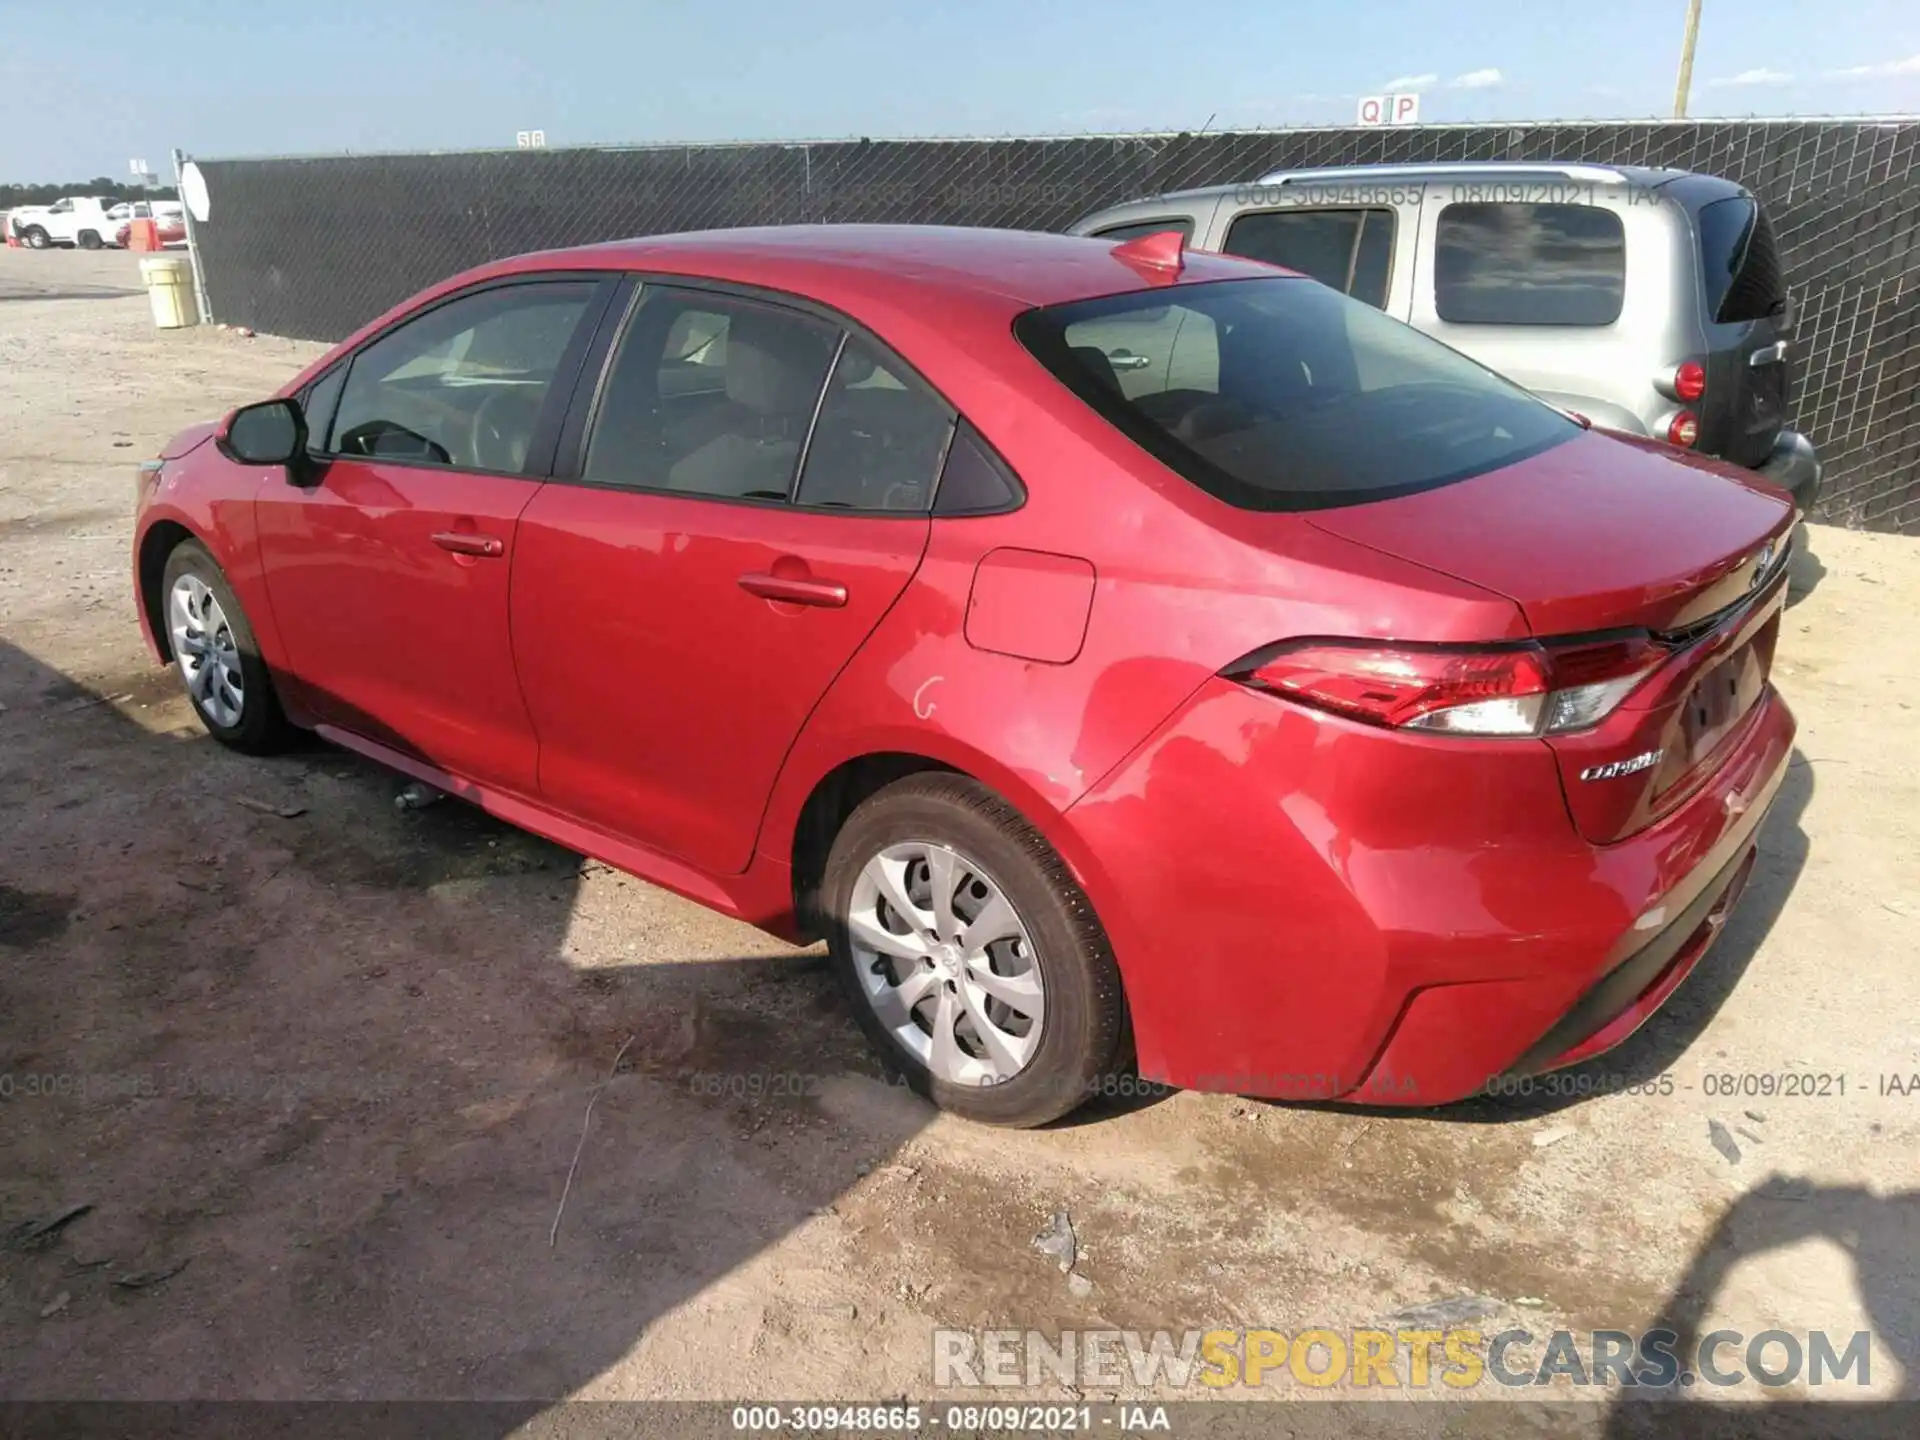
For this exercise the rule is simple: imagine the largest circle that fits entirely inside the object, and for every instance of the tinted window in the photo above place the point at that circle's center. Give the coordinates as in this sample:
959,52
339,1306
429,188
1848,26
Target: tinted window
1513,264
464,384
711,395
1282,395
880,436
1351,250
1134,230
973,481
1738,261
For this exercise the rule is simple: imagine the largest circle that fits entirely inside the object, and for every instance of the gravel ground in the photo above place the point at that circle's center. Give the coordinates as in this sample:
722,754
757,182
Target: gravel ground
321,1073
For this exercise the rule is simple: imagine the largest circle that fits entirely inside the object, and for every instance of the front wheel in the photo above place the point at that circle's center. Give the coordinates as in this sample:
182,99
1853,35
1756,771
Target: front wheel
36,238
974,961
227,681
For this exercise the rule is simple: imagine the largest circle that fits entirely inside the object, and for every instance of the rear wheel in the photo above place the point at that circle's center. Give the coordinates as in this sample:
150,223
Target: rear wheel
974,961
36,238
213,646
89,240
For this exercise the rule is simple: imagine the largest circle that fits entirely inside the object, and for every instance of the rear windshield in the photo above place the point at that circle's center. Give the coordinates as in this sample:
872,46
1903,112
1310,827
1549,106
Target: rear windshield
1280,394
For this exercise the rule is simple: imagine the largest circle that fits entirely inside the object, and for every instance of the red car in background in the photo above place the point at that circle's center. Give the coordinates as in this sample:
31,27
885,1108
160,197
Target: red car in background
1126,658
170,222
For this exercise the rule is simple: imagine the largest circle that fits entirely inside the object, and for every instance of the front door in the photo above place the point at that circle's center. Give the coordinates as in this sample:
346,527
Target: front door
680,609
388,571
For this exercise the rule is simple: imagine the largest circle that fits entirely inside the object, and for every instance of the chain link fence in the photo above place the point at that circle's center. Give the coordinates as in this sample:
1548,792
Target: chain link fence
315,247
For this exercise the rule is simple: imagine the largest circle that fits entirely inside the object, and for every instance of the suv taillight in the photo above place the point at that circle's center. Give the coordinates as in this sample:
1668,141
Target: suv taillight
1683,430
1690,381
1527,689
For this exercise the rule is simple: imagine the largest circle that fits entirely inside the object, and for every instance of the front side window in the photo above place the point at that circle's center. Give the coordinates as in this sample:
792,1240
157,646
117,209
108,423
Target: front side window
878,442
710,394
1283,395
1521,264
464,385
1351,250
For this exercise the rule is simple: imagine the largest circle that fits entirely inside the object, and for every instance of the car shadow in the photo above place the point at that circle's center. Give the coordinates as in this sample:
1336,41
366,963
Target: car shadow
1804,571
322,1070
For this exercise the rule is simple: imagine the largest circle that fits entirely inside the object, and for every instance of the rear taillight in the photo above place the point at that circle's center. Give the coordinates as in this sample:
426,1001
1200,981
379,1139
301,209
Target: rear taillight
1690,381
1517,690
1683,429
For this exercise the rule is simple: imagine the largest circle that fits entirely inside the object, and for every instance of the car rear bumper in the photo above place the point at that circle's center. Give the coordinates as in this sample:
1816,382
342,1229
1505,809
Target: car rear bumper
1308,908
1795,467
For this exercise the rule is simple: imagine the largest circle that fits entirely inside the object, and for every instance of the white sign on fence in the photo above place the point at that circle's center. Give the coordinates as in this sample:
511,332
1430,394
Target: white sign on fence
530,139
1389,110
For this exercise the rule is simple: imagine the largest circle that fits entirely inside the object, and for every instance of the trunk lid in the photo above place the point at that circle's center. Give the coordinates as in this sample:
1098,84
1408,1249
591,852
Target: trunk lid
1603,534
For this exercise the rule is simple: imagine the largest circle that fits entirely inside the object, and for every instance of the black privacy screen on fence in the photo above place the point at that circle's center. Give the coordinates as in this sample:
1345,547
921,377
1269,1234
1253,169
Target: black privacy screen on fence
315,247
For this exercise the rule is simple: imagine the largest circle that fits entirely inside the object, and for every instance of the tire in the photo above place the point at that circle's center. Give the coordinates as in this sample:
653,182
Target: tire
1050,954
36,238
89,240
255,725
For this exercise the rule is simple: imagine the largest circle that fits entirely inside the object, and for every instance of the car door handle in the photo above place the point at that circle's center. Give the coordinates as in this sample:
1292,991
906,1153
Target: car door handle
1127,360
791,588
466,542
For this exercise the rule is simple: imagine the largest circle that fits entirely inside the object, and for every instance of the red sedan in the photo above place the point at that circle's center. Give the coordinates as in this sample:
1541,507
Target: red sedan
1129,660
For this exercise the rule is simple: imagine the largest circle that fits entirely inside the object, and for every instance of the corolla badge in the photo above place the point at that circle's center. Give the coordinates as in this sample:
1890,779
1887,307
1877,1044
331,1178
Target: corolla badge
1762,563
1613,769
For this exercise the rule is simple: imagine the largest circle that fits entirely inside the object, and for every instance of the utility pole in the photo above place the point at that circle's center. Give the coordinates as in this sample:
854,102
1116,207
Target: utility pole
1686,61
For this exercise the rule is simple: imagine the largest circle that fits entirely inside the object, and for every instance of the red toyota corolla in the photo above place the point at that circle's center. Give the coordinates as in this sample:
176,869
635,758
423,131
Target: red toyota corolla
1124,658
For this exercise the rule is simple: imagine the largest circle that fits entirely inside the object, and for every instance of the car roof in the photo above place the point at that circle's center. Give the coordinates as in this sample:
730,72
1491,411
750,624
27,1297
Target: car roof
1005,270
1642,176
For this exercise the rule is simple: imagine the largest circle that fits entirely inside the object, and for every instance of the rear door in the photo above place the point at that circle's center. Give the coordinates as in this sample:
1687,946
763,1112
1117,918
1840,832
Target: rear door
1744,300
749,498
388,570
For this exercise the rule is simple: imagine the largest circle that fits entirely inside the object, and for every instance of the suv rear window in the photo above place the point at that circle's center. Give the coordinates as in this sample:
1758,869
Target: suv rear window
1280,394
1739,263
1519,264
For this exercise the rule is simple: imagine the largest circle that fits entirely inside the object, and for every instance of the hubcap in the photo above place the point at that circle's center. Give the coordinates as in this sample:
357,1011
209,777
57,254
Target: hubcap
946,963
209,659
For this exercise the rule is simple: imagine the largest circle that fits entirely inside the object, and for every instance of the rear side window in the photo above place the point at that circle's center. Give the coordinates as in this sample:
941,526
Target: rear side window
1351,250
1518,264
879,438
1183,226
1283,395
710,394
1739,263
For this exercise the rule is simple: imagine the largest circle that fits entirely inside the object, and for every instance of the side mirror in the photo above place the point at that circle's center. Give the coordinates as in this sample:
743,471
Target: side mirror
273,432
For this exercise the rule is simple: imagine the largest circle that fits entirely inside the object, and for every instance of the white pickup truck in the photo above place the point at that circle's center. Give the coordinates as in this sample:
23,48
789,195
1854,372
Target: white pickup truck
81,220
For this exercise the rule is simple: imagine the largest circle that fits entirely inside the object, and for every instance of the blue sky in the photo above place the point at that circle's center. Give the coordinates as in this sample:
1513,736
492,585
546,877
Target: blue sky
87,84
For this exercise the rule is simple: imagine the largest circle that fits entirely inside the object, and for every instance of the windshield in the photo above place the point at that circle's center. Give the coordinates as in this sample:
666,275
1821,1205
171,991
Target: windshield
1280,394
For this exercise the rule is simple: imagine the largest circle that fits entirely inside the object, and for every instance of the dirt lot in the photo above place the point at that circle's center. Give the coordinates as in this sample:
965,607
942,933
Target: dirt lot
325,1071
